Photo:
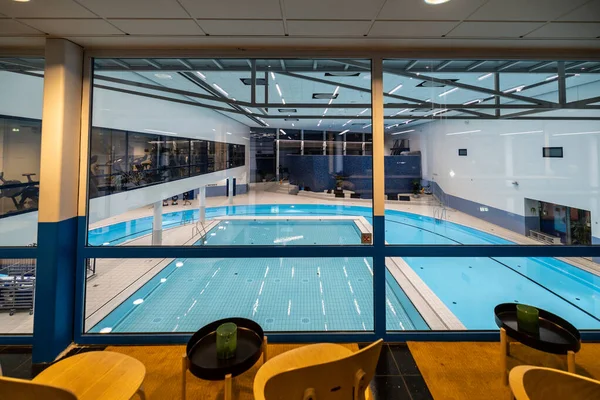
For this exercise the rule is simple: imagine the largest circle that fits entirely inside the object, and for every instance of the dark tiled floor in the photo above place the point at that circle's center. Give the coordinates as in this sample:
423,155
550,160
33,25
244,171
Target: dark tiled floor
397,376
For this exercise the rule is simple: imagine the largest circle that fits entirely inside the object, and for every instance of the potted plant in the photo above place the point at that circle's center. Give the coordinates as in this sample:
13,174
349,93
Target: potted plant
416,187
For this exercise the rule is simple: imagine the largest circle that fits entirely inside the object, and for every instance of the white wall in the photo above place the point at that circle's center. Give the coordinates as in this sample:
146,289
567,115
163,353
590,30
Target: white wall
495,161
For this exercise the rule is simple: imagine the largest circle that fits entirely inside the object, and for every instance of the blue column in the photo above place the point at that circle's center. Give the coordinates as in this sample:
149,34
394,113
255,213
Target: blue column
59,186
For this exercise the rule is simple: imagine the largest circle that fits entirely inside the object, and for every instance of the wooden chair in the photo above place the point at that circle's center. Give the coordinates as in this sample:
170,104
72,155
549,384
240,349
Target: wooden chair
318,372
537,383
87,376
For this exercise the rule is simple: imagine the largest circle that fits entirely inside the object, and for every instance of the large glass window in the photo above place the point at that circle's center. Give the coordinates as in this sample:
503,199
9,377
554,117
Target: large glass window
465,159
21,92
182,295
218,159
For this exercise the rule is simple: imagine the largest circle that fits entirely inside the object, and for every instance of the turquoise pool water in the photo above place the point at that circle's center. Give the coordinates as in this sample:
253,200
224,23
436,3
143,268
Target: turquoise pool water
470,287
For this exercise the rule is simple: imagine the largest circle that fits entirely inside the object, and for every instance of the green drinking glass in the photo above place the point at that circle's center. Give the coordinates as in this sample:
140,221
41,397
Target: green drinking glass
528,319
226,340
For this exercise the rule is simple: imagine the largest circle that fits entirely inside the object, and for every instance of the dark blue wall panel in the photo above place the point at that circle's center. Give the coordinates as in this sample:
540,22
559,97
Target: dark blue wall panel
318,172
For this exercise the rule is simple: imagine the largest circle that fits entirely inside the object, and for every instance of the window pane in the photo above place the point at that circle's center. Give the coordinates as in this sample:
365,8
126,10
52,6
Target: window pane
183,295
496,160
461,293
17,287
21,93
224,170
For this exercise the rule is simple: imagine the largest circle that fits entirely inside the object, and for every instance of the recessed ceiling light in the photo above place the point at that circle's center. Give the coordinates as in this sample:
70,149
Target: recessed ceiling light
434,2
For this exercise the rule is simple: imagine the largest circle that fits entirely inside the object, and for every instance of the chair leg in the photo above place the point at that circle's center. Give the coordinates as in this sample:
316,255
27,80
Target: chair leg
228,386
571,362
504,351
141,393
265,355
183,375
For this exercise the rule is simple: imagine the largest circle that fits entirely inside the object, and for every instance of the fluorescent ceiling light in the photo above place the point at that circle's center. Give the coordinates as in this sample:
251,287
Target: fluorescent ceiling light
283,100
472,102
551,77
363,111
229,133
408,121
427,101
319,124
325,112
341,133
201,75
519,133
278,89
462,133
575,133
157,131
400,112
365,127
400,133
272,76
337,88
247,109
482,77
282,131
163,76
220,89
447,92
347,122
22,1
396,88
440,111
515,89
435,2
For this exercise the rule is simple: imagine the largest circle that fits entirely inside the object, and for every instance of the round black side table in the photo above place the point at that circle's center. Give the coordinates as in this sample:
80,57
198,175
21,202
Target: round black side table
201,359
556,335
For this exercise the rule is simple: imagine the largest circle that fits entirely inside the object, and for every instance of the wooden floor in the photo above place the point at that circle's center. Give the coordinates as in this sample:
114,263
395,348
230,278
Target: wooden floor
472,370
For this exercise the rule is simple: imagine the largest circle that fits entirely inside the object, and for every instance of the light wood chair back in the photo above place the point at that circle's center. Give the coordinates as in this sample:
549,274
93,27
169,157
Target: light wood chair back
20,389
341,379
537,383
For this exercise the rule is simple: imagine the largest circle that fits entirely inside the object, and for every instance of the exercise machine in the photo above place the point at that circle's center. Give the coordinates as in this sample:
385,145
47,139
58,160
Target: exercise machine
24,195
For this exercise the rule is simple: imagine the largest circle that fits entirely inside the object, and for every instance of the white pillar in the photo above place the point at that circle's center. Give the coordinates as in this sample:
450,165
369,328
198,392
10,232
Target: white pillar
277,160
157,224
202,203
230,182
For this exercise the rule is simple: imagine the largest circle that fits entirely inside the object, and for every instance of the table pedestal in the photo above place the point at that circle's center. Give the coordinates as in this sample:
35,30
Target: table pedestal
505,352
228,381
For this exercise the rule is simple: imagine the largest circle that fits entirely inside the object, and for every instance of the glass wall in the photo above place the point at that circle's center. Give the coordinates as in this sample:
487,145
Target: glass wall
454,294
17,290
121,161
21,92
475,156
182,295
288,148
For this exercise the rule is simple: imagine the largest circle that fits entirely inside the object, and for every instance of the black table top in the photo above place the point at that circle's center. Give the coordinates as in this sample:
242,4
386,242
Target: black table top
556,335
202,350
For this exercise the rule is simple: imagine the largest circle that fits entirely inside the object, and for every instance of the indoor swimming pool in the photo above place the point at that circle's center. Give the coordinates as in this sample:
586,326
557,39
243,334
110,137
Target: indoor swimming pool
336,294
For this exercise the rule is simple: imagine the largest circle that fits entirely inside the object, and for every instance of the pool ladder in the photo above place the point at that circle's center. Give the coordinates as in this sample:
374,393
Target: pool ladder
199,229
439,214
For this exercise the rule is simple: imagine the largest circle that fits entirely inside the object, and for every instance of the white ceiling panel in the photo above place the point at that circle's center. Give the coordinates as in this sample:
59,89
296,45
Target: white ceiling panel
520,10
419,10
158,26
45,9
411,28
242,28
12,27
328,28
332,9
228,9
567,30
588,12
136,8
494,29
73,26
